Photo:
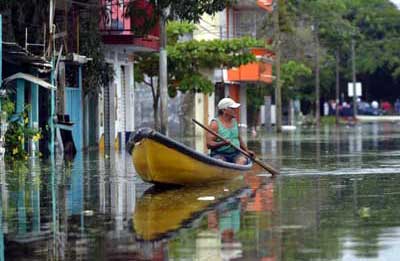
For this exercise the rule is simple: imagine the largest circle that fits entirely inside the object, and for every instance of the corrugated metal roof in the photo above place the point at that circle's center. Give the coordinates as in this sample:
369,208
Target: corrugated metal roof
14,53
29,78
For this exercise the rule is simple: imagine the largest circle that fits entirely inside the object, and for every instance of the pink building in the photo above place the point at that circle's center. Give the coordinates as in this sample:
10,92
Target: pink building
116,104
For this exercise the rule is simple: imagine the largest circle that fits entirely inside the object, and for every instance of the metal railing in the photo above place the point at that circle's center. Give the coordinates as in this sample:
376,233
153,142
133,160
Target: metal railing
113,16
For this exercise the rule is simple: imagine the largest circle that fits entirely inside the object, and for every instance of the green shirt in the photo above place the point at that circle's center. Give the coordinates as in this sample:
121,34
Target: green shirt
231,134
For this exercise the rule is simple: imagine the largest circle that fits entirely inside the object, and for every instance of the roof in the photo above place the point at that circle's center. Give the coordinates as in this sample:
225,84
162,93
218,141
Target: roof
14,53
29,78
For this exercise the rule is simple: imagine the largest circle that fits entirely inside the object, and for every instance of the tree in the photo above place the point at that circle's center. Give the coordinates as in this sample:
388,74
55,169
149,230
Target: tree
282,25
377,22
330,33
145,14
97,72
324,17
17,18
292,73
186,61
148,14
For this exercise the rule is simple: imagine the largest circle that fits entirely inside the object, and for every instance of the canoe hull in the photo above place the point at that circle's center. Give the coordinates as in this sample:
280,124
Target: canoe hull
159,161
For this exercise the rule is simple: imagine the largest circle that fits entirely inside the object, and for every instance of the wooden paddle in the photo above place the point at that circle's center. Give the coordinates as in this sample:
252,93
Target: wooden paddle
254,159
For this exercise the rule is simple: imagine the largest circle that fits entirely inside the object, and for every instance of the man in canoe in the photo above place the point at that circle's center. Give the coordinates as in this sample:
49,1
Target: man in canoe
227,127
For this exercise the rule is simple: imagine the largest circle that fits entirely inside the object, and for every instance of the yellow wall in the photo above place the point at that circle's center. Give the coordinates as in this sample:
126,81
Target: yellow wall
208,27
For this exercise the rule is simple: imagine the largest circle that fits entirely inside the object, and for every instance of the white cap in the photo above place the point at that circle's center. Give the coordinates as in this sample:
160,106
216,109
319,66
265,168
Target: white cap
226,103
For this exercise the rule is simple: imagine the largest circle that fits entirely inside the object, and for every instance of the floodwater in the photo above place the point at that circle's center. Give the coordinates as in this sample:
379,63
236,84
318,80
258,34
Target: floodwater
337,198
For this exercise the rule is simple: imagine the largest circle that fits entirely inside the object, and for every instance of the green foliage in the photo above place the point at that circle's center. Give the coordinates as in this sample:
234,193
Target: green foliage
285,17
293,71
146,64
7,3
175,29
374,25
97,73
18,132
293,76
255,98
187,59
379,34
212,54
328,120
7,106
143,16
195,82
19,15
184,10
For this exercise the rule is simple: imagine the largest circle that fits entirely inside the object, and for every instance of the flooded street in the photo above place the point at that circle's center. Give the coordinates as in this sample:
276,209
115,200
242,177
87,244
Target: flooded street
337,198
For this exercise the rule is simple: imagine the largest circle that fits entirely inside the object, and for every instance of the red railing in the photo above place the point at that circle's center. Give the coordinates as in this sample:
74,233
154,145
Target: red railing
266,5
119,28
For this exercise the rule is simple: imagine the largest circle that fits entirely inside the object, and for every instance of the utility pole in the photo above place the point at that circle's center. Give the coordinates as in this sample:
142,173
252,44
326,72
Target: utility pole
163,74
353,61
53,80
1,53
278,94
1,56
317,80
337,84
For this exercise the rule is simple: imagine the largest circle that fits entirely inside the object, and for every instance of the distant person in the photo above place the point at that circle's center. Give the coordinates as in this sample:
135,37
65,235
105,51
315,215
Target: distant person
332,107
397,106
346,110
375,108
386,107
363,107
226,126
375,105
326,109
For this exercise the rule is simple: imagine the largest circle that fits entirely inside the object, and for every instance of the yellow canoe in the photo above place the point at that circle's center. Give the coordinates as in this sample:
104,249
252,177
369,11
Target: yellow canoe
159,214
159,159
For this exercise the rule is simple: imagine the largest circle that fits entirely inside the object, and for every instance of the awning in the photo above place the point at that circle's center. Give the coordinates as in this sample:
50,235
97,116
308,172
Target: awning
29,78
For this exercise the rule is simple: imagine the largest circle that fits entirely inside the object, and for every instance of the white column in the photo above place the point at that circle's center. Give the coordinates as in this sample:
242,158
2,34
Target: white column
226,90
199,112
243,106
100,114
114,97
130,98
211,107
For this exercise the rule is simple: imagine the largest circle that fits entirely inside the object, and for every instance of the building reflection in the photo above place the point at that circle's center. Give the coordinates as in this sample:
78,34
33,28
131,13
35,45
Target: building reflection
90,208
223,229
3,198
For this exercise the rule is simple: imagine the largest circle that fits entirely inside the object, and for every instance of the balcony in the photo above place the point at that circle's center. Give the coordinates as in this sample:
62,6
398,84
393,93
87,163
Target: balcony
117,29
267,5
249,22
260,71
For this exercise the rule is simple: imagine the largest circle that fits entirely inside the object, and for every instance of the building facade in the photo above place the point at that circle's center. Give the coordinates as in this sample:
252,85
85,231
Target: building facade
117,101
245,18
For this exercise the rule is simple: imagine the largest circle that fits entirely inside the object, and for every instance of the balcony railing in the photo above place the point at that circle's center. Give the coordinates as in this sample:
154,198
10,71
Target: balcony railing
119,28
266,5
249,23
113,16
260,71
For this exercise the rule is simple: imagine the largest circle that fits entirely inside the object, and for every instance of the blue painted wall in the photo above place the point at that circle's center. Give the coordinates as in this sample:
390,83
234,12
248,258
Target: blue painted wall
74,109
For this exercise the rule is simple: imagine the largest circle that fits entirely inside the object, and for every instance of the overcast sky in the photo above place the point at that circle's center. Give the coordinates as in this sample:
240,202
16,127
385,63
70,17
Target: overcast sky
397,2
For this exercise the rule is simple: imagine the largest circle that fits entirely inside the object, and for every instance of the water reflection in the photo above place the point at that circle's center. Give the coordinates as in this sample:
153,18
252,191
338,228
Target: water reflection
207,222
337,198
160,212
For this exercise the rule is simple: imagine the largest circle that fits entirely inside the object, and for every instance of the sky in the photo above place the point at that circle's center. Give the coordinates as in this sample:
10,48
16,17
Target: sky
397,2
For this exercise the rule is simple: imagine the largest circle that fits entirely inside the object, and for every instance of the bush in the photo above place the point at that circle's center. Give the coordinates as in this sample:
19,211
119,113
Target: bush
17,133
